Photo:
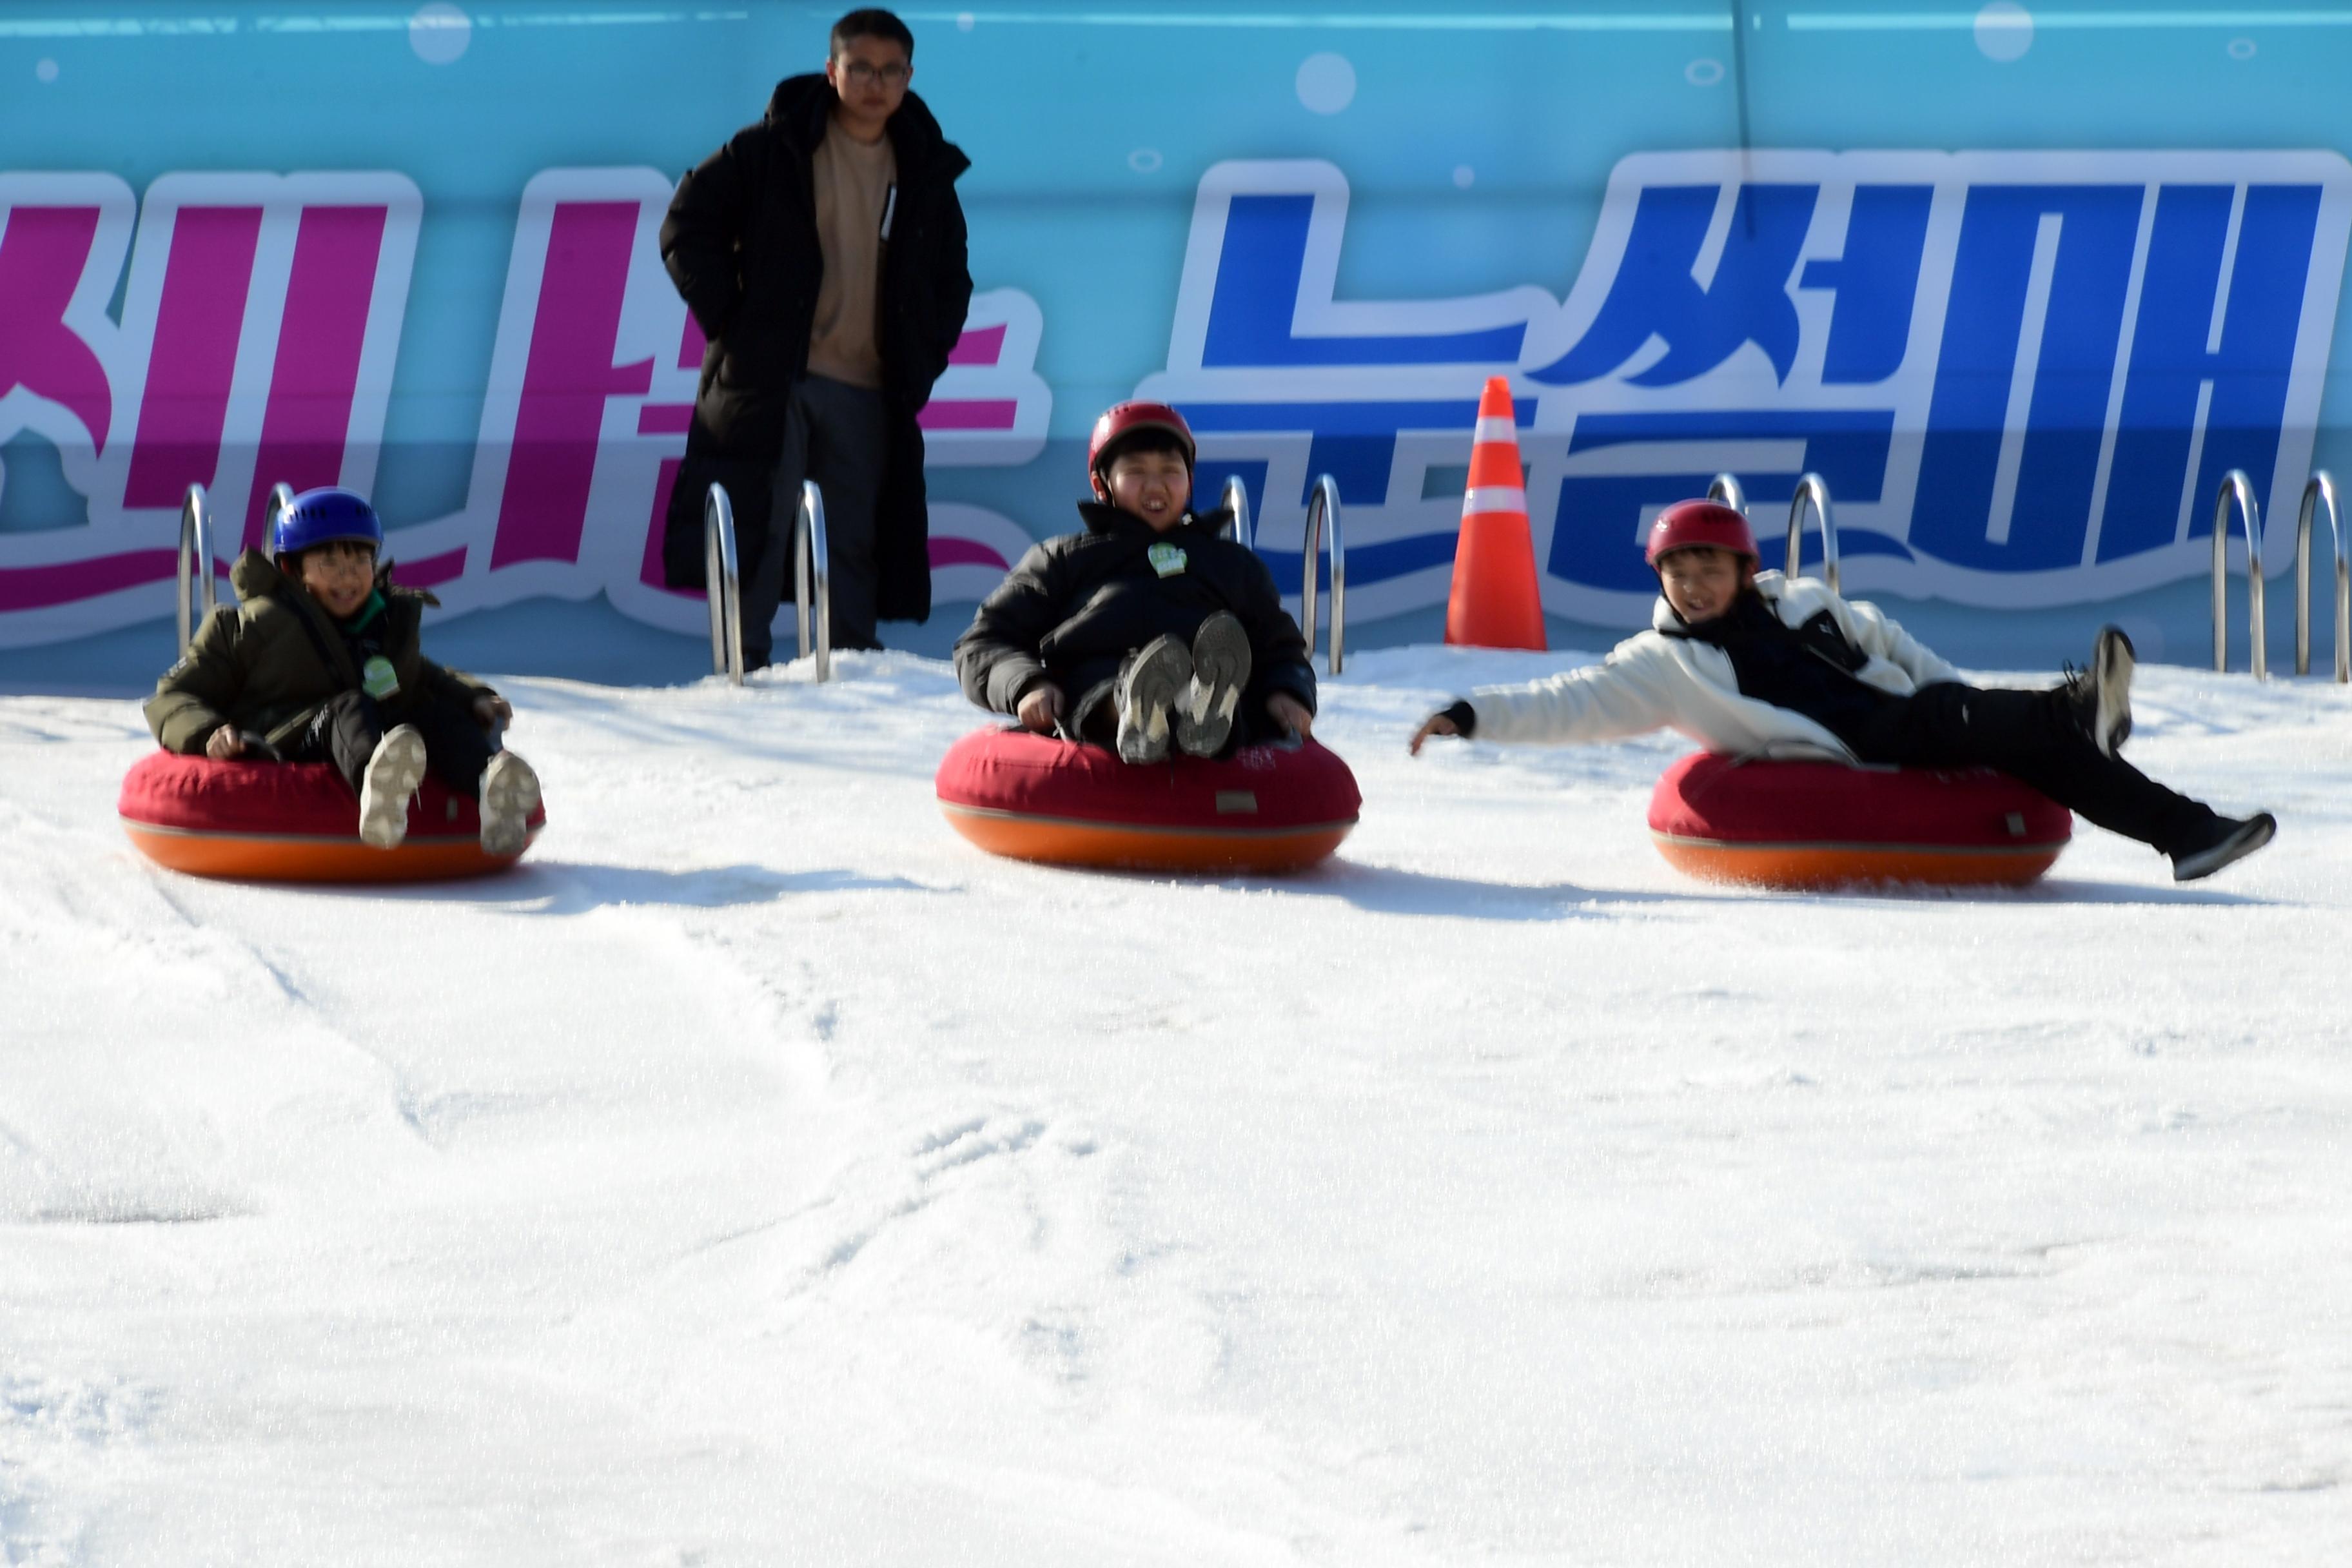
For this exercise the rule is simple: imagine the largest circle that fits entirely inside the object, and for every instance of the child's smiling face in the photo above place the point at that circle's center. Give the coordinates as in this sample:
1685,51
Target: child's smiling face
338,574
1701,581
1154,486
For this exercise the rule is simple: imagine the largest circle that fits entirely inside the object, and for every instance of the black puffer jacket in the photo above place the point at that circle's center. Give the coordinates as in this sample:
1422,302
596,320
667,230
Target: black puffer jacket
741,243
266,663
1075,606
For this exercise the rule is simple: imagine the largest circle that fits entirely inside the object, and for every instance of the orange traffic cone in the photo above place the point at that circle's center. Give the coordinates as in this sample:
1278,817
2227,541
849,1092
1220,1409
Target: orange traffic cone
1494,603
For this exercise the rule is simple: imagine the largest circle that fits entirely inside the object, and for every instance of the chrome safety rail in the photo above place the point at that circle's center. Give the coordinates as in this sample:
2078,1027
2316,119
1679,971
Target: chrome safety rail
2237,493
1236,501
1813,491
724,579
813,578
1726,489
1322,513
199,595
2322,489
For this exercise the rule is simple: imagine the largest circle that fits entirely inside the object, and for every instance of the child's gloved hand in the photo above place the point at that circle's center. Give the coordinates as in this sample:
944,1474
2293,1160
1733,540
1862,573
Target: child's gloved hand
224,744
489,710
1435,724
1291,714
1041,708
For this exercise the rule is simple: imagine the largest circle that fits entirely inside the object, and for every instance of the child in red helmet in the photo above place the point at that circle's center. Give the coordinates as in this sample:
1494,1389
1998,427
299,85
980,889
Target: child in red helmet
320,662
1149,628
1755,663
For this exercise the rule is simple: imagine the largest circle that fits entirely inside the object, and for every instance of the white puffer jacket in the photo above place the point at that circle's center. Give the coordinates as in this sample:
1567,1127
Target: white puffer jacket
1652,681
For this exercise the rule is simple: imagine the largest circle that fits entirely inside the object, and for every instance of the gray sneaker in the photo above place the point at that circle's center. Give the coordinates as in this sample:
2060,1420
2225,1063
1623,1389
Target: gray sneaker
1148,685
2229,839
2101,695
1221,669
394,772
509,794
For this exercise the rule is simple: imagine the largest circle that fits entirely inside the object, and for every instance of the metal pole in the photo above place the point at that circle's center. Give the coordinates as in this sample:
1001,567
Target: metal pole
1724,488
2322,490
725,586
196,564
1323,505
813,578
1813,490
1236,501
2237,492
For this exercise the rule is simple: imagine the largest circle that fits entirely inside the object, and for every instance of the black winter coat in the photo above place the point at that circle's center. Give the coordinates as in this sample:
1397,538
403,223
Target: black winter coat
1077,605
266,663
741,243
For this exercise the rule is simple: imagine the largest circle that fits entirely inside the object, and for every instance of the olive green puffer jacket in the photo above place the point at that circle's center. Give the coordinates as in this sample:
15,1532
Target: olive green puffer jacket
268,663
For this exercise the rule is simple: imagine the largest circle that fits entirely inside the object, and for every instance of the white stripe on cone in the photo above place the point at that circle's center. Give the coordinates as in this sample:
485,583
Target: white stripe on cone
1494,427
1493,497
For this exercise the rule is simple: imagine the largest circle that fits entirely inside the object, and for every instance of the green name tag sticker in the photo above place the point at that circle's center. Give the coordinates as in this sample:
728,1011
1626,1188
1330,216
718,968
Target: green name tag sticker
1166,558
377,679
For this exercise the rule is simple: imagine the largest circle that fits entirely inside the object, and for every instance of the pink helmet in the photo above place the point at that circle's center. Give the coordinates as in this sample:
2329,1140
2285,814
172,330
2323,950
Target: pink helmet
1126,418
1687,524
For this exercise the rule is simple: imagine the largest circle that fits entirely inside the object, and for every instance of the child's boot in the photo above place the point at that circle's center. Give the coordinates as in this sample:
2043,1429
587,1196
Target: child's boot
1221,669
2225,839
394,769
1148,685
2101,695
509,794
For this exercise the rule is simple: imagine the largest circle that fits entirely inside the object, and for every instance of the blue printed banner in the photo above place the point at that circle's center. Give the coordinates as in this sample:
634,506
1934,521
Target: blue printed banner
2023,374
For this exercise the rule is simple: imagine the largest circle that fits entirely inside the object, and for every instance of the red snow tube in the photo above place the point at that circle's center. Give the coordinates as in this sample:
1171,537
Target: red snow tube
1817,824
1034,797
293,822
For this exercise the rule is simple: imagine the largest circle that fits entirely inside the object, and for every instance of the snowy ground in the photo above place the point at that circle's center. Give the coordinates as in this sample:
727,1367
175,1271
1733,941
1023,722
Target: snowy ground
763,1176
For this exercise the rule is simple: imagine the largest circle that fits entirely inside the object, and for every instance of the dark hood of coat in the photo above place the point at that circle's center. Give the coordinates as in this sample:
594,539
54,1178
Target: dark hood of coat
256,576
802,106
1102,517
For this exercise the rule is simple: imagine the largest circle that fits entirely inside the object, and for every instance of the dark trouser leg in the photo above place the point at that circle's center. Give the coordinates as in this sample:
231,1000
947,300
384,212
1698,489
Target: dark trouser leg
1093,717
456,748
764,580
848,441
344,731
2034,737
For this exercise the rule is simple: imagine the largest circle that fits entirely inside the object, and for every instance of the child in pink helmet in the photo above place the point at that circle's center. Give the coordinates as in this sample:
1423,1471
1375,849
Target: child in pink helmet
1150,627
1757,663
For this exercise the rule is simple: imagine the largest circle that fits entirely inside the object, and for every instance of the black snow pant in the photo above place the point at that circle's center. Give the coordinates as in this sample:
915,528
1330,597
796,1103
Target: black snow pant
2036,737
345,731
839,435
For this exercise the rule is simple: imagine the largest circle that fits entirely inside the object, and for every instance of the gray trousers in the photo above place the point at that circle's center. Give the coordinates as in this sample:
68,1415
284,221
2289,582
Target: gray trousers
837,435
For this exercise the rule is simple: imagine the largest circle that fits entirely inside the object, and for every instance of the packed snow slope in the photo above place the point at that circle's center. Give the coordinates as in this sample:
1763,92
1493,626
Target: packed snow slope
761,1174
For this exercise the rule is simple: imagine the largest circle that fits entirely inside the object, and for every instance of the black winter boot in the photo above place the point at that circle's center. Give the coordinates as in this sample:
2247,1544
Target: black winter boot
2226,840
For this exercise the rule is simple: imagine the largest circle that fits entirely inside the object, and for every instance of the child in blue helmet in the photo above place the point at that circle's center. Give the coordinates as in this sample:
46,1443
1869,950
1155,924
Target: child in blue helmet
319,661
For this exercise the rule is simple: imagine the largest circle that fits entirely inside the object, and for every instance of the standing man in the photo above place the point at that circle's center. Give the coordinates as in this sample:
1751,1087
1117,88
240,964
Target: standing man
822,252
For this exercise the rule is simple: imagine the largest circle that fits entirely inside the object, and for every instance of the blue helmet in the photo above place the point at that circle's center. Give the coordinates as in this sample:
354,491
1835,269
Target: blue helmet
320,516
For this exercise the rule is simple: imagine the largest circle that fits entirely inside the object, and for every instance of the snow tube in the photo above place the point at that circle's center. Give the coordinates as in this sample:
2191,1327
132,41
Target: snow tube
1034,797
293,822
1817,824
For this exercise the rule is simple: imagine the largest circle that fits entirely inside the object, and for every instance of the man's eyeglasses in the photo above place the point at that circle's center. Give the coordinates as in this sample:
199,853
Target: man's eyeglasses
860,74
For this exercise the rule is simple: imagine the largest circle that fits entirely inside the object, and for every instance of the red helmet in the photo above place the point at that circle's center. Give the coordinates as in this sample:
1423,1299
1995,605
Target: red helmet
1687,524
1122,419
